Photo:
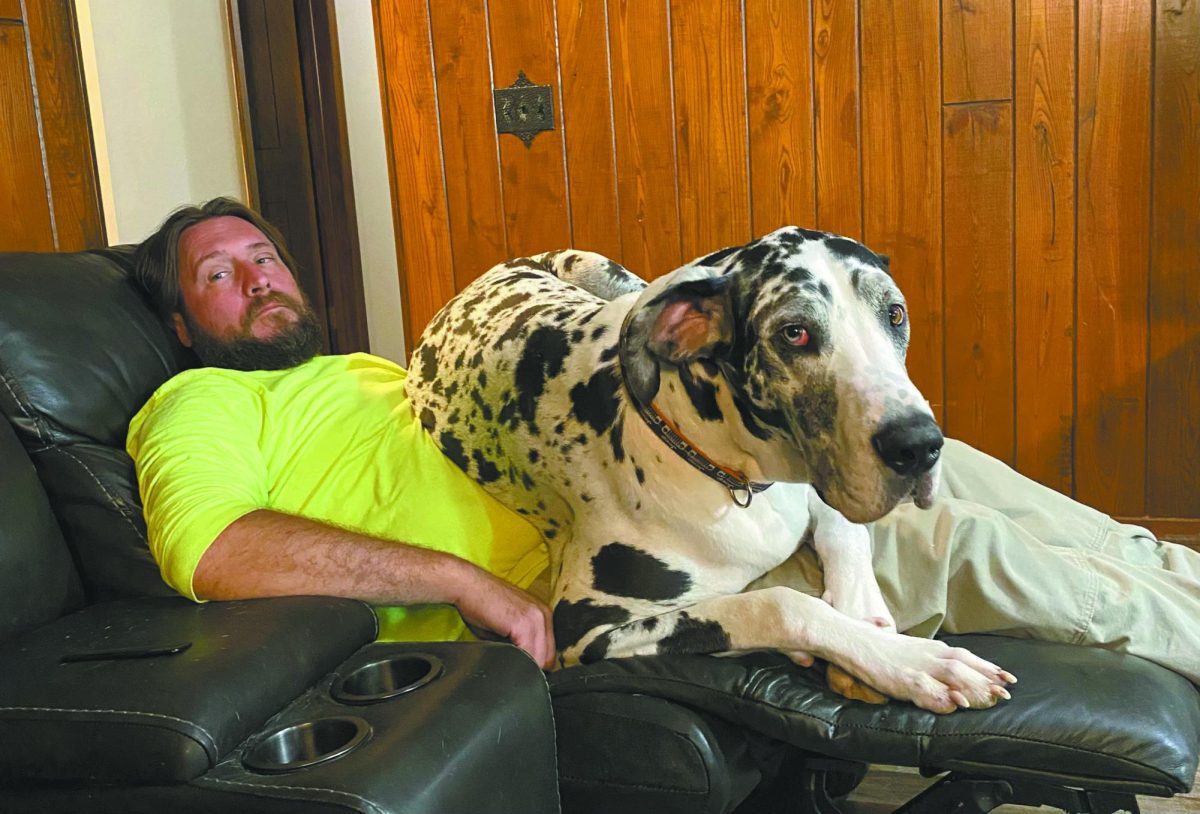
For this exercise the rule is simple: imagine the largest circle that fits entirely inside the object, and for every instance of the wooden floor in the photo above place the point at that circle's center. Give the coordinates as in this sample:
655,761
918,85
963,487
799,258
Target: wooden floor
885,788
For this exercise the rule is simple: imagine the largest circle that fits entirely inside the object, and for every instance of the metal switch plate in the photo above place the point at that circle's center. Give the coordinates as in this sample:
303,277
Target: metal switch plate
523,109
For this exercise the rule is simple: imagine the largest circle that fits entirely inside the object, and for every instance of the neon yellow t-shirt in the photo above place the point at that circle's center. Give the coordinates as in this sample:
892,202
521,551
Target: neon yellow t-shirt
333,440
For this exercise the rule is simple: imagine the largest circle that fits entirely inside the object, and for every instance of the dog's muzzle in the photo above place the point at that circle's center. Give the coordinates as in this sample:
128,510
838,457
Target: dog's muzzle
911,447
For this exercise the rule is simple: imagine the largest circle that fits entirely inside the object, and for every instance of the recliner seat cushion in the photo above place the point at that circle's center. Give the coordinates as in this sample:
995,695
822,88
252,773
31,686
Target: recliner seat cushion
1078,715
80,352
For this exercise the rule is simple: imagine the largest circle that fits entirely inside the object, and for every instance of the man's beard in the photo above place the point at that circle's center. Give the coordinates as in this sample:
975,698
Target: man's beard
290,346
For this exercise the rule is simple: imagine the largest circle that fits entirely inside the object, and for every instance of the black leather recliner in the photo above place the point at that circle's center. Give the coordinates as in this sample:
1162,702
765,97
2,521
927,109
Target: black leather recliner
116,695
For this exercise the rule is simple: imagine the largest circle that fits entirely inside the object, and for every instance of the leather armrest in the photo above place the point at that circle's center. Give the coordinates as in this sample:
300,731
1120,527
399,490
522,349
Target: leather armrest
169,717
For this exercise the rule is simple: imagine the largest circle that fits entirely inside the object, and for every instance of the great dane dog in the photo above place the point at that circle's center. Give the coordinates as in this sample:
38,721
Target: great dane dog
639,426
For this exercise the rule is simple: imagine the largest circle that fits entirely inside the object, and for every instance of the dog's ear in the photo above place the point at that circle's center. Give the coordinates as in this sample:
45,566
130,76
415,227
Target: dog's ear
691,318
691,321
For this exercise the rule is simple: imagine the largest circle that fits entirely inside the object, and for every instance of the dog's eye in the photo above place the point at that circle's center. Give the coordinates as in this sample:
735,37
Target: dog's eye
896,315
796,335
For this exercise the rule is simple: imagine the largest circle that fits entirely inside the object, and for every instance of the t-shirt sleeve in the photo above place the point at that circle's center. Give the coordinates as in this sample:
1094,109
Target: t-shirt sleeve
195,446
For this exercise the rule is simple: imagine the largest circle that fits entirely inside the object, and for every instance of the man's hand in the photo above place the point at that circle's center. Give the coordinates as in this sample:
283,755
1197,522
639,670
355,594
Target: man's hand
493,604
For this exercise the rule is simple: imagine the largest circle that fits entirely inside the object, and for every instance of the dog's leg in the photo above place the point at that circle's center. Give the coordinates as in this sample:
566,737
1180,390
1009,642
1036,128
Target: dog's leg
931,674
594,273
845,552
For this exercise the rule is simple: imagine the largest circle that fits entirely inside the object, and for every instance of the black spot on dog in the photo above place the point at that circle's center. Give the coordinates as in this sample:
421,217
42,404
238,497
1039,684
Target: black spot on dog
519,321
756,255
549,534
560,427
574,620
533,456
428,419
598,332
511,301
816,410
694,636
622,570
595,403
453,418
483,378
597,650
849,248
702,393
610,353
485,409
824,290
614,438
508,413
487,469
807,234
541,359
526,481
453,447
581,439
585,497
429,363
576,336
716,257
640,473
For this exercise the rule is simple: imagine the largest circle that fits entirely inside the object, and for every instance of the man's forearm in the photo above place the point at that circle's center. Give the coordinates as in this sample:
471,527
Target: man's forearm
267,553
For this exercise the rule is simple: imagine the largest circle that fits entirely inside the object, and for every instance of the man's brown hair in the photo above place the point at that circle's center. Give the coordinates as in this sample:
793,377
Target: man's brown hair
156,262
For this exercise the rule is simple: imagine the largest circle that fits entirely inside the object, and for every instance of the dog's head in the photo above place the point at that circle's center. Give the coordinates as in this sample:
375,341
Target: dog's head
807,332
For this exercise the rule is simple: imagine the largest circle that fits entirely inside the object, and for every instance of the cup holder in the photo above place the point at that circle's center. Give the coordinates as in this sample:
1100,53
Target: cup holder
298,746
386,678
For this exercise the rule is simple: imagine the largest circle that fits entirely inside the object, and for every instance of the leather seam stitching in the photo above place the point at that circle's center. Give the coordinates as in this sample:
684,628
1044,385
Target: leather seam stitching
130,712
37,427
268,786
112,499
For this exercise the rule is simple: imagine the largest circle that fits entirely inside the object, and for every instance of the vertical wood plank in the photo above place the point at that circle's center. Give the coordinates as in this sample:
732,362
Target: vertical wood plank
1173,400
902,162
779,82
70,157
588,126
1045,235
533,177
977,50
414,162
710,125
643,122
977,151
835,113
468,128
1113,236
24,209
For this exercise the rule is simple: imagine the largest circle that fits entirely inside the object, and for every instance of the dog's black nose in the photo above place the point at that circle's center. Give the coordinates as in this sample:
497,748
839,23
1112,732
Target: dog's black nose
909,445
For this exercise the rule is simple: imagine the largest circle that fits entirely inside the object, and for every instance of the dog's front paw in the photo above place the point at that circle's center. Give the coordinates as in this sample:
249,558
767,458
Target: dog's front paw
930,673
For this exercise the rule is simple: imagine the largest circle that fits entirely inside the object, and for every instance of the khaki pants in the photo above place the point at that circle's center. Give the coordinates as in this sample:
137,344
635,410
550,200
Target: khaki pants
1000,553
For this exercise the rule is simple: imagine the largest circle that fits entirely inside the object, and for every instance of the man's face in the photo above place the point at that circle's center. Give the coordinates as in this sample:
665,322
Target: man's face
242,307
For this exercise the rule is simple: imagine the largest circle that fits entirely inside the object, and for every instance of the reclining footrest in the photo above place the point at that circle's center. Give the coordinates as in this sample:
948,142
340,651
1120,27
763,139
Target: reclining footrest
1081,717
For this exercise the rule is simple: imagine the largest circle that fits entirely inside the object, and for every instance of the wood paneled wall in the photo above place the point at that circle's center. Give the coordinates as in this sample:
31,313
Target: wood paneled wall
49,196
1032,168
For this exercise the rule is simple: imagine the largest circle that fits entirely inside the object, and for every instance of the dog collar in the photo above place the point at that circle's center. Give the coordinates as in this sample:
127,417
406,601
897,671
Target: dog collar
741,489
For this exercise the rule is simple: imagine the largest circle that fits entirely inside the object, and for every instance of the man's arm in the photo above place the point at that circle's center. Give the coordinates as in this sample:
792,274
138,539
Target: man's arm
267,553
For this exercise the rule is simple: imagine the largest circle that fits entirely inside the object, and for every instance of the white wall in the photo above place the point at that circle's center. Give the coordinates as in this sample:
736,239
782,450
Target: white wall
372,191
161,89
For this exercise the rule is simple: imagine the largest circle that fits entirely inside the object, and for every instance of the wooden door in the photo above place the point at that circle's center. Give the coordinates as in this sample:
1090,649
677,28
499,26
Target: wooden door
49,199
1032,172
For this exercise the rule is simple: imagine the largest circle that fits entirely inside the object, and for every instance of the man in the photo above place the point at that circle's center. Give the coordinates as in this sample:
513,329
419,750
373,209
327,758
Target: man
274,471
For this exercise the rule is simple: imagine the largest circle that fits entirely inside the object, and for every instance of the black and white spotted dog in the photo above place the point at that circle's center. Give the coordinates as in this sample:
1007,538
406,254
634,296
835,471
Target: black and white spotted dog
638,427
